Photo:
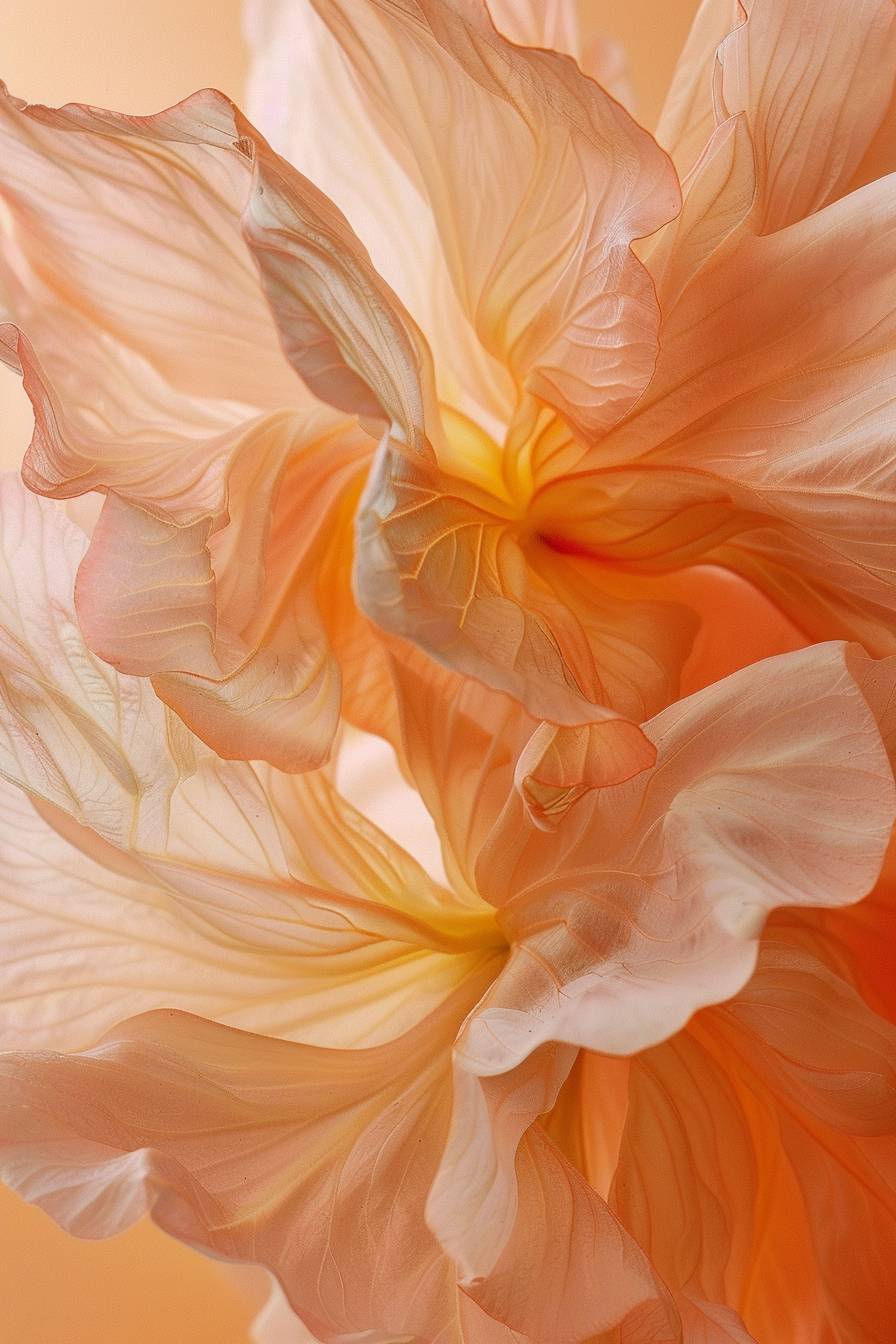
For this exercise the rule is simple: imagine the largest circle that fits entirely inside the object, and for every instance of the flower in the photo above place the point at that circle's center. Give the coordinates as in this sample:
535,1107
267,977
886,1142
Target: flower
576,445
503,429
357,1106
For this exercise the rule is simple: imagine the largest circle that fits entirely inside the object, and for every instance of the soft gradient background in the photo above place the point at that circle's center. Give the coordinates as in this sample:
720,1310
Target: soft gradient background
141,1288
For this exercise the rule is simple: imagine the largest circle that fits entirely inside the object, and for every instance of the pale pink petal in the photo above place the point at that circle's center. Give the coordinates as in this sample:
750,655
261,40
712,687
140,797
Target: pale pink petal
230,626
72,731
181,454
814,85
304,98
771,788
569,1271
314,1163
537,226
534,1245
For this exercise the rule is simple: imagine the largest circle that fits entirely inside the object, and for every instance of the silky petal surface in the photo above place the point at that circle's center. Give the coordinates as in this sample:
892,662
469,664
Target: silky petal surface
563,182
771,788
312,1162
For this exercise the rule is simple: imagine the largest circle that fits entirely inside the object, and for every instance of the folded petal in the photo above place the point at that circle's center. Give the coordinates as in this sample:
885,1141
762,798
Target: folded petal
688,116
303,96
827,1062
569,1271
314,1163
558,766
230,626
185,452
762,444
814,89
297,898
814,86
537,227
536,1247
73,732
771,788
442,563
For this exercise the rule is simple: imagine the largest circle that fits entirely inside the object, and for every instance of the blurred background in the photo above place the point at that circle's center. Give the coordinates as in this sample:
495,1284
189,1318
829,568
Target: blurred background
142,1288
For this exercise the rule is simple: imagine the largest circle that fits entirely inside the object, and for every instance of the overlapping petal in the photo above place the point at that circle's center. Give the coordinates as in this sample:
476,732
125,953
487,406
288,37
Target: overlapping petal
313,1162
294,913
772,788
537,226
196,456
814,83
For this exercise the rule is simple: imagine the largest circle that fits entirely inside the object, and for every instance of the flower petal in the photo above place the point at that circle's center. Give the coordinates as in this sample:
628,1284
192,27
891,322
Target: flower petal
230,627
563,182
814,86
442,564
312,1162
303,96
297,899
827,1062
72,731
771,788
184,451
535,1246
720,465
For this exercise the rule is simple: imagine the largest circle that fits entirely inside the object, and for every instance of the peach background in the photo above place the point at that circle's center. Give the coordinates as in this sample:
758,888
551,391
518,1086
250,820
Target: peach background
142,1288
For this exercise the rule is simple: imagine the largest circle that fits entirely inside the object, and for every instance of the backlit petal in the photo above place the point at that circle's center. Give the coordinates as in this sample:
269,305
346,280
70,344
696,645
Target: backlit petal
537,226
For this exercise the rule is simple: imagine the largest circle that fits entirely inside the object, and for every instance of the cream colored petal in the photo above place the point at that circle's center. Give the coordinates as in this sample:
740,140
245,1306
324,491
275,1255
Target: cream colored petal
73,732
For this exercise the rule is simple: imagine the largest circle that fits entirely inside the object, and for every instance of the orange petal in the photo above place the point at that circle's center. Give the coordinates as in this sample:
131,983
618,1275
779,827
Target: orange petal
558,766
771,788
770,398
827,1062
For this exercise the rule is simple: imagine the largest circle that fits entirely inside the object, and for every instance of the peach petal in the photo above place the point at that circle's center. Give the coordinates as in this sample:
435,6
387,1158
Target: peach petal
564,174
558,766
771,788
812,104
256,1149
441,563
